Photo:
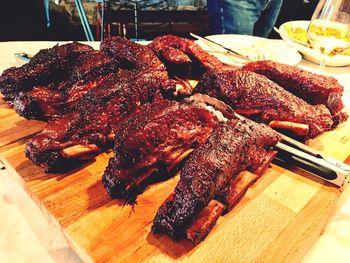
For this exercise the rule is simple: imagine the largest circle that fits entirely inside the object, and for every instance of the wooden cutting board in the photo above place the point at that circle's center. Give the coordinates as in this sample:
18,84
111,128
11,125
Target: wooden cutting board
15,130
277,220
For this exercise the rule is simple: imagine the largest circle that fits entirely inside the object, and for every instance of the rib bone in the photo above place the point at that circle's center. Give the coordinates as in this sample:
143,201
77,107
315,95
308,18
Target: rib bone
239,187
204,222
297,128
80,150
179,159
263,167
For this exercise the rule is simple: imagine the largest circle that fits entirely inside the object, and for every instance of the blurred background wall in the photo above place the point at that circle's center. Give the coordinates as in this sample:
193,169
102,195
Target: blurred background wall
26,19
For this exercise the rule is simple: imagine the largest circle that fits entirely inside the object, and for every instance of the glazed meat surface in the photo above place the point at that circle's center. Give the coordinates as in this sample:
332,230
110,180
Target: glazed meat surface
152,142
93,121
258,97
313,88
129,55
43,102
183,57
89,128
47,66
231,148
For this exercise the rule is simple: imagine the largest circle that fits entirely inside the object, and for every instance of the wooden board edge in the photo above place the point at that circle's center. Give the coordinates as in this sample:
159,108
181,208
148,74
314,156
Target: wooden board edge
85,257
311,239
309,235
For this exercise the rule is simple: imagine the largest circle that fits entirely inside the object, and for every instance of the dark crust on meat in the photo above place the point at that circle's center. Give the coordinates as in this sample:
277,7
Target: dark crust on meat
154,137
207,174
130,55
313,88
47,66
183,57
43,102
98,112
95,116
245,90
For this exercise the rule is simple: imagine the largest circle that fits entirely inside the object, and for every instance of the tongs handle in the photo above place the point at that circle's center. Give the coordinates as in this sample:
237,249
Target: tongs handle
317,166
303,147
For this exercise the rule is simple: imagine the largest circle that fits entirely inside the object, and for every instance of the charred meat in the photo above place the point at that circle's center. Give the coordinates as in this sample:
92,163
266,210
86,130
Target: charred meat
152,142
129,55
47,66
183,57
43,102
94,119
257,97
313,88
89,128
208,174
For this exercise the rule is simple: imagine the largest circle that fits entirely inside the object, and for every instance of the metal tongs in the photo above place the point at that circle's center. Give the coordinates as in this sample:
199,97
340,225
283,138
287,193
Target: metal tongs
292,151
23,56
228,50
311,160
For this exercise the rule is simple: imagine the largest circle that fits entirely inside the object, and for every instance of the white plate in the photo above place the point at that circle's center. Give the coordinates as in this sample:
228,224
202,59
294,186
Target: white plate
311,54
275,50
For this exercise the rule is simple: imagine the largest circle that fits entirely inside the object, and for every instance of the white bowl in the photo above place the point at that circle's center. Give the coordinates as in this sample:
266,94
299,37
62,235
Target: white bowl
311,54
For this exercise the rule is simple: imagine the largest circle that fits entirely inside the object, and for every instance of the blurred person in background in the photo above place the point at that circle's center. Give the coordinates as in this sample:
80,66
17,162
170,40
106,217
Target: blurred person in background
246,17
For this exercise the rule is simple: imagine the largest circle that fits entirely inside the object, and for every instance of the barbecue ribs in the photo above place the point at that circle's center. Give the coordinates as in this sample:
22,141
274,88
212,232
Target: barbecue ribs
43,102
313,88
257,97
91,124
89,128
183,57
129,55
152,142
209,173
47,66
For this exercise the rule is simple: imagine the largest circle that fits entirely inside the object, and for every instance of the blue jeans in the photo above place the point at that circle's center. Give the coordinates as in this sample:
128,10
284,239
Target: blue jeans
246,17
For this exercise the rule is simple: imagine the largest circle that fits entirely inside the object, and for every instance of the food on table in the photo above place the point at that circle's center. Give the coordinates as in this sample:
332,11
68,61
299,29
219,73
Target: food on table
88,127
56,79
297,33
86,73
330,32
207,179
151,143
183,57
300,34
116,96
259,98
91,124
313,88
83,132
47,66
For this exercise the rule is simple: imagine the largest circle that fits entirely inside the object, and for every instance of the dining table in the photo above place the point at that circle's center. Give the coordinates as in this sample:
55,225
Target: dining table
26,235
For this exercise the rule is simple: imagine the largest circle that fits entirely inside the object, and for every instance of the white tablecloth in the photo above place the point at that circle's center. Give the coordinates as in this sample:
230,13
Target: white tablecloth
27,236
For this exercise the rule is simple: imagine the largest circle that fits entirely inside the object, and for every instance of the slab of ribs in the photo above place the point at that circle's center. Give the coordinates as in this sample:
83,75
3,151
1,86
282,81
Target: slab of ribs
47,66
183,57
313,88
152,142
209,174
132,98
88,128
54,99
259,98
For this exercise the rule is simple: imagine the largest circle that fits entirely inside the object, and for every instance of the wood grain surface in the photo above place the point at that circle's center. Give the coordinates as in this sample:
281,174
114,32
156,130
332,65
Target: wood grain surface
277,220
